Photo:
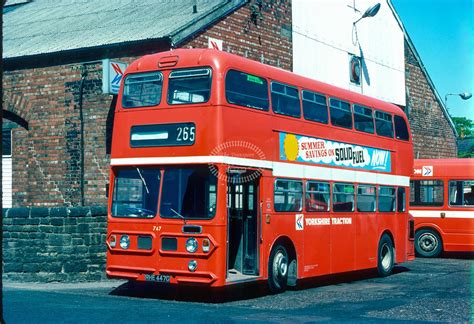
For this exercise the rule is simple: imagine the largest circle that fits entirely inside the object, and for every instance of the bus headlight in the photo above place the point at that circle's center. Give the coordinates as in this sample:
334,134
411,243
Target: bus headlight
191,245
124,242
192,265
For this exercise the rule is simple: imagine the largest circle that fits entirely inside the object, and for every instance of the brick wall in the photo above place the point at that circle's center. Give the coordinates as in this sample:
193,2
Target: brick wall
433,136
46,156
54,244
261,32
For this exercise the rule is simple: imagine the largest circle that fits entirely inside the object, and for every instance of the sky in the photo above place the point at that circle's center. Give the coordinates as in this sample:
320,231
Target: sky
443,34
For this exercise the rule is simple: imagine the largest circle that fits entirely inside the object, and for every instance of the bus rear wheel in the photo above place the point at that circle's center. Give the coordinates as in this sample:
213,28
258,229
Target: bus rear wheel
278,269
427,243
385,256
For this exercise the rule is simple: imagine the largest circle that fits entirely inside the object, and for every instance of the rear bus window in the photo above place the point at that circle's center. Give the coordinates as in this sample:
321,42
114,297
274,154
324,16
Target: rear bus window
189,86
401,129
340,113
288,195
363,119
461,193
315,107
246,90
366,198
386,199
317,196
142,90
383,124
343,197
426,193
285,100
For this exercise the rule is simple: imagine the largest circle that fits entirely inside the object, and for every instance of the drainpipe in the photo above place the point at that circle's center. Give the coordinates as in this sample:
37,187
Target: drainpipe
81,120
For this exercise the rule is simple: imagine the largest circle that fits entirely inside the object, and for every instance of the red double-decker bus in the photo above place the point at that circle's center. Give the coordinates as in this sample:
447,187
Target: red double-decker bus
442,203
225,170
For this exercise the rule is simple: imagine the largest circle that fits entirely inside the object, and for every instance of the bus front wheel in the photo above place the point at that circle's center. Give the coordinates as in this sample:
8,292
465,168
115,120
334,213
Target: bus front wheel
427,243
385,256
278,269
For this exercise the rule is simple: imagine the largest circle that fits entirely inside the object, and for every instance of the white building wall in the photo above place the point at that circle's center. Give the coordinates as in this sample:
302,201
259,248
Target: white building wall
324,38
6,181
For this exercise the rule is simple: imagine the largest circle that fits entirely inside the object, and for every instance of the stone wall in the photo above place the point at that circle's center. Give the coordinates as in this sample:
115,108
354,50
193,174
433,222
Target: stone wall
54,244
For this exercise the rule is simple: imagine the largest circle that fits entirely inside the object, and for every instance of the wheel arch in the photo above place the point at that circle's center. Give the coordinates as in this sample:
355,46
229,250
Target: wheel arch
292,254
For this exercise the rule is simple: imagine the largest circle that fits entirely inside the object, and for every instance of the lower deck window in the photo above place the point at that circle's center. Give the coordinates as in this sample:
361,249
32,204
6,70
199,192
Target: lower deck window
426,193
288,195
136,192
188,193
461,193
386,199
366,198
343,197
317,196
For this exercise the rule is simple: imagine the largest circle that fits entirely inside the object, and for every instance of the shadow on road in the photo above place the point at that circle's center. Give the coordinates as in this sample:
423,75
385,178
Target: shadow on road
198,294
344,278
245,291
458,255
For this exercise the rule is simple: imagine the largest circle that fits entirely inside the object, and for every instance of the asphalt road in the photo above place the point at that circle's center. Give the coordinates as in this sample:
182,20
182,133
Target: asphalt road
434,290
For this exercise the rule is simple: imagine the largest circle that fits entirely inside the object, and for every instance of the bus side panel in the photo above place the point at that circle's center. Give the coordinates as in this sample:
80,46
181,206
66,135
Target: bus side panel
342,243
366,240
459,238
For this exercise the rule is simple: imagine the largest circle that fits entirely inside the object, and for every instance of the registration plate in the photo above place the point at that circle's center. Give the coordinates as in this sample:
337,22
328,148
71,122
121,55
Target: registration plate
157,278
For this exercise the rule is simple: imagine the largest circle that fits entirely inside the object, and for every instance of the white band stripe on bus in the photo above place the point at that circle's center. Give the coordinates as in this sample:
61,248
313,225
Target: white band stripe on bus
280,169
437,213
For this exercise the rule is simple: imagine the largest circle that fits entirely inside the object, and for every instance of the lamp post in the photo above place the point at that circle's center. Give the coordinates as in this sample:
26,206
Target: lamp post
372,11
463,95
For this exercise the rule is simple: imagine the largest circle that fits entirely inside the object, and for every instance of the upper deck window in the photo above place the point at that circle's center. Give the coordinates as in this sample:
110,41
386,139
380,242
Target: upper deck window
142,90
363,119
383,124
340,113
285,100
315,107
401,129
246,90
189,86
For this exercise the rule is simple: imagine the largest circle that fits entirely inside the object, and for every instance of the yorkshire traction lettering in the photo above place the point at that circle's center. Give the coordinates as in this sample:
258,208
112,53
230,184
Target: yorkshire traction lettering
328,221
320,151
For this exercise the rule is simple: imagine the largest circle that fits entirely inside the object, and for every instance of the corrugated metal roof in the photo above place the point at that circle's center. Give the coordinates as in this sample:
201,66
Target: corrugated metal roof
48,26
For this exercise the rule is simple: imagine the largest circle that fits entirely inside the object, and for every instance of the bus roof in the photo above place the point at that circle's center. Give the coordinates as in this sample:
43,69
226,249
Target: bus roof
222,61
447,167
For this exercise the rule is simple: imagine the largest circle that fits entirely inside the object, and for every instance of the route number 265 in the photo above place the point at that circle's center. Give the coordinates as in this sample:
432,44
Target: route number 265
186,134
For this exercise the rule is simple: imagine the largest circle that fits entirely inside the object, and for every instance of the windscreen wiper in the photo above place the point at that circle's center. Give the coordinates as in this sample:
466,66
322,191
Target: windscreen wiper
143,180
179,215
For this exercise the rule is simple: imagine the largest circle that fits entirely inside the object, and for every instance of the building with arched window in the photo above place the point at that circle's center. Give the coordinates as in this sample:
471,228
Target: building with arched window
55,57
